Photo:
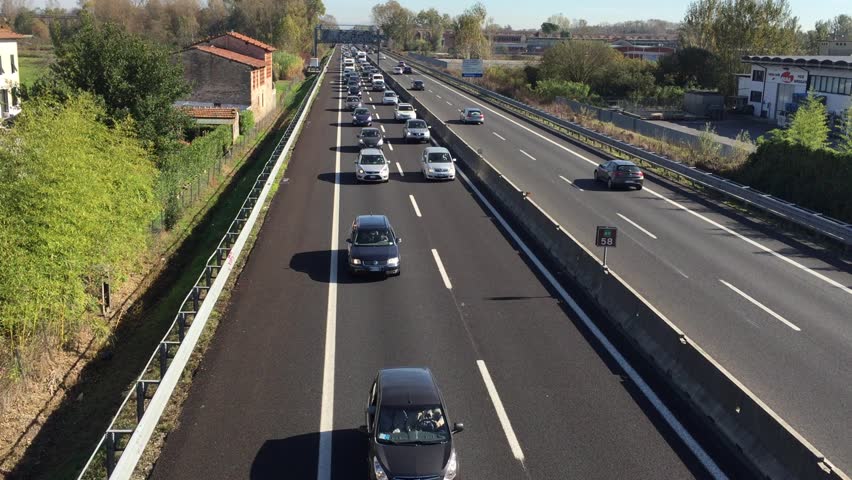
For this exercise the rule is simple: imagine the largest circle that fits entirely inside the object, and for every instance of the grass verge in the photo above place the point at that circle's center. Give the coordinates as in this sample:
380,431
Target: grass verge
63,433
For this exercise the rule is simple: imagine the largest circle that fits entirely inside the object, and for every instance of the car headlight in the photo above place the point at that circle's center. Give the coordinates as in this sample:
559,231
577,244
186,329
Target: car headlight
356,261
393,261
431,170
361,171
379,471
385,169
452,467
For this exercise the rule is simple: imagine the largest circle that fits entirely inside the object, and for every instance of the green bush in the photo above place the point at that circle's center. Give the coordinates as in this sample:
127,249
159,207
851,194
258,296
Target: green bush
286,65
179,168
816,179
549,89
246,121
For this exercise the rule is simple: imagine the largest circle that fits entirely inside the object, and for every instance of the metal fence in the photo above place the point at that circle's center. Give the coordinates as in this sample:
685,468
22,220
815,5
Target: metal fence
124,441
829,227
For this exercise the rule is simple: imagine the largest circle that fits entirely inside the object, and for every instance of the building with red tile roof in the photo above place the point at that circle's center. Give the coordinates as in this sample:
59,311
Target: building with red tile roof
10,77
216,116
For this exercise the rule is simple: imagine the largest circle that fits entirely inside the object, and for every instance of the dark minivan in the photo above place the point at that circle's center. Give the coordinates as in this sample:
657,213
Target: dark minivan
408,430
373,246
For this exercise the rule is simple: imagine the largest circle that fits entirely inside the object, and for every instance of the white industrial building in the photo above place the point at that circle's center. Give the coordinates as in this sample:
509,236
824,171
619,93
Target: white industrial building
776,84
10,78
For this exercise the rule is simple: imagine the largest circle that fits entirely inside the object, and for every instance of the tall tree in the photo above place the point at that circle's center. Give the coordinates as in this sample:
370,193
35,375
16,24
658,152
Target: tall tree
578,61
470,39
433,22
562,22
548,28
396,21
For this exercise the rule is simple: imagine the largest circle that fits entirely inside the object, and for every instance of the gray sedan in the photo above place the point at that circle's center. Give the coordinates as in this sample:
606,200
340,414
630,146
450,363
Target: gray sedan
417,130
370,138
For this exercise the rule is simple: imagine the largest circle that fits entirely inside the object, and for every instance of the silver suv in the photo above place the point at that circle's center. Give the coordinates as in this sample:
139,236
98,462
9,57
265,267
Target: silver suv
416,129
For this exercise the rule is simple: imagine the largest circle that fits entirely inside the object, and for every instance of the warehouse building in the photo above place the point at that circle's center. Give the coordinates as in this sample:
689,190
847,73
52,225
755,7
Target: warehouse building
776,85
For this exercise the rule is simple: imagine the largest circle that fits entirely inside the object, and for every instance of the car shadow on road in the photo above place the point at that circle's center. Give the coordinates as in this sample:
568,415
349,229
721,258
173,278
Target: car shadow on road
590,185
346,149
298,456
316,265
346,178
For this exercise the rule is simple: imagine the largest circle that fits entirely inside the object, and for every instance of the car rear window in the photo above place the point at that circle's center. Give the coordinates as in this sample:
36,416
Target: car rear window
474,112
628,168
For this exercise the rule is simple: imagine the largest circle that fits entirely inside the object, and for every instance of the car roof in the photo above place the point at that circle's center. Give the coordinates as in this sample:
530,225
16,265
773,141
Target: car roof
403,104
436,150
389,92
369,128
415,120
408,386
473,108
623,162
368,221
371,151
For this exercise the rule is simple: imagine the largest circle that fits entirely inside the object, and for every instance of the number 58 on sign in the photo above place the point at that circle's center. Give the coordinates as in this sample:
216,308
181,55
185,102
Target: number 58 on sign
606,236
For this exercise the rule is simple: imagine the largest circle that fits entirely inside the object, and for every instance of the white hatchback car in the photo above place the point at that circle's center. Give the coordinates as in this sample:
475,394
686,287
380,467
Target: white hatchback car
397,70
371,166
404,111
436,163
390,98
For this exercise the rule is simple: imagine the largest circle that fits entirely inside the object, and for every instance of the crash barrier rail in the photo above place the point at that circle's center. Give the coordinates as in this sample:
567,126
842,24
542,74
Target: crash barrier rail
829,227
121,447
766,443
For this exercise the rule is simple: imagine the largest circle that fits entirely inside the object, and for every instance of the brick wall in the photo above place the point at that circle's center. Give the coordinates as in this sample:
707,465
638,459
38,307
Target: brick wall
217,80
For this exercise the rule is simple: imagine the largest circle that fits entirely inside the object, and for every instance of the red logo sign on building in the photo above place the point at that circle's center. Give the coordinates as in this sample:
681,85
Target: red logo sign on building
787,77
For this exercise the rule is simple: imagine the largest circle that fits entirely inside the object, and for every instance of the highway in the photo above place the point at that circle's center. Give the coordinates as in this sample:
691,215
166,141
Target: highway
775,313
283,386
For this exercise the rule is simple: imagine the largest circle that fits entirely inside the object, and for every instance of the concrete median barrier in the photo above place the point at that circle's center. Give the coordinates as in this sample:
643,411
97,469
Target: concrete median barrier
730,411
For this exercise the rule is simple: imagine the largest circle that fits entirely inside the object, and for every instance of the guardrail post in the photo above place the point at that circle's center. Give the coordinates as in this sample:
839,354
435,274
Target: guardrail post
140,400
195,298
208,275
110,452
164,358
181,319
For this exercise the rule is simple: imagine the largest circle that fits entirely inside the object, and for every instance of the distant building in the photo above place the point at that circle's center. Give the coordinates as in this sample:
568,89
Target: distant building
216,116
776,84
10,77
637,40
230,71
642,52
836,45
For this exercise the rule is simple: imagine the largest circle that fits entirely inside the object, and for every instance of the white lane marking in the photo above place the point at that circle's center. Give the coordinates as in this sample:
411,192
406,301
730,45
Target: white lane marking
377,115
706,461
631,222
374,107
755,244
571,183
437,95
399,167
327,402
527,154
441,269
498,136
414,204
501,412
430,91
448,103
762,306
389,145
563,147
382,127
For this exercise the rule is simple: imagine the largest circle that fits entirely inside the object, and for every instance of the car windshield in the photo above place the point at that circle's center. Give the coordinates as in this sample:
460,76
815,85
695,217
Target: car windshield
412,425
439,157
361,111
372,160
373,237
370,133
628,168
417,124
405,108
353,99
390,94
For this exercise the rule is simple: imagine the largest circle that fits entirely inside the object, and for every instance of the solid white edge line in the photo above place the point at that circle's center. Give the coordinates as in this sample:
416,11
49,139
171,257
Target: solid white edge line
527,154
706,219
414,204
399,167
571,183
631,222
441,269
501,412
762,306
498,136
706,461
327,402
753,243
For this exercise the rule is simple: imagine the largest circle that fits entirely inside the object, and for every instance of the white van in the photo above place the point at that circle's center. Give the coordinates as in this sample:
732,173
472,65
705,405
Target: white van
349,62
361,56
348,68
378,76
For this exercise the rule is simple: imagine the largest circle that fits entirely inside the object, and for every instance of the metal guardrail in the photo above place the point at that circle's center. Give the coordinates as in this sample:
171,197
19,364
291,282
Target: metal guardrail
121,447
812,220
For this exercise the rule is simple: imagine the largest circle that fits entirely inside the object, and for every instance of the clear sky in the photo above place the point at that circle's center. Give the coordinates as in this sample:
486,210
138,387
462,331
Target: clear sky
530,13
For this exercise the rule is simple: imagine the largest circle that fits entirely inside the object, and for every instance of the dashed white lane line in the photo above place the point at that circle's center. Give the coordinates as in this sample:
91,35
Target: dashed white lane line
527,154
389,145
501,412
382,127
377,115
761,306
631,222
399,168
714,223
414,204
571,183
754,243
436,95
498,136
441,269
430,91
448,103
667,415
374,107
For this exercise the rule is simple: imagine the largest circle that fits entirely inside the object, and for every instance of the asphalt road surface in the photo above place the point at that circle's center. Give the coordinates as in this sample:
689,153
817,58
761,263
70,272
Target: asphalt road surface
775,313
302,340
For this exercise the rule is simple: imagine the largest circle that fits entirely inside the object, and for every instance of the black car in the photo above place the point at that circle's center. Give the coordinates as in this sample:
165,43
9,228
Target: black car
354,90
408,430
373,246
407,70
619,173
418,85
